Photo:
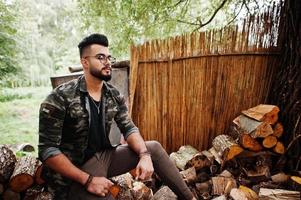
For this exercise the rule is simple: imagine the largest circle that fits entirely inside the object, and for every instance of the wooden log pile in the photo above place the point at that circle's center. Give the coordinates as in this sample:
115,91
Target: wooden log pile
240,165
20,178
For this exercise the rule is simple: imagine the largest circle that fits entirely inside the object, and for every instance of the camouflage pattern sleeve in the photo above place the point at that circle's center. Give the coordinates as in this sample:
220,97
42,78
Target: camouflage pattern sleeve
51,120
122,118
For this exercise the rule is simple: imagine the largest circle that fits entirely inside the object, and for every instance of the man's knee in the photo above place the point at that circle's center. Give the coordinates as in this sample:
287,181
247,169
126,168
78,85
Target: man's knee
155,148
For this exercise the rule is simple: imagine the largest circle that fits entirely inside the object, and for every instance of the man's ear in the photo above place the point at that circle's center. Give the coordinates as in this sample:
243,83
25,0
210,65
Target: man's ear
84,63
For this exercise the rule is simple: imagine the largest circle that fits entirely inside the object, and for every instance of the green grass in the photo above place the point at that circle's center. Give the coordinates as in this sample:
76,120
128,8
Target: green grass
19,113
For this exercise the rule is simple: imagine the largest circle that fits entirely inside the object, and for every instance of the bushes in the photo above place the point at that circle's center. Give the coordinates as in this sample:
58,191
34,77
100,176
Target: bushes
12,94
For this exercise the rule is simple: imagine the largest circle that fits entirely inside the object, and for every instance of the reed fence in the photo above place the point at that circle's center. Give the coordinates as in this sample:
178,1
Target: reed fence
188,89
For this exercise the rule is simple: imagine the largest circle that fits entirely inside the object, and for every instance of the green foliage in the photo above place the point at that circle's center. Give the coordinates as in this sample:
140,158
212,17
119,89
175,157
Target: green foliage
126,22
38,38
48,38
9,95
8,50
129,22
19,117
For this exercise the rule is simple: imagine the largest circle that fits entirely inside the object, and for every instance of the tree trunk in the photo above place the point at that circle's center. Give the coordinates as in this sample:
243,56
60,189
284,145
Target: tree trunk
286,89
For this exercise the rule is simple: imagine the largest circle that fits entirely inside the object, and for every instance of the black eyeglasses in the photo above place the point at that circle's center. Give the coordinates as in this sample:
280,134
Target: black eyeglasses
103,58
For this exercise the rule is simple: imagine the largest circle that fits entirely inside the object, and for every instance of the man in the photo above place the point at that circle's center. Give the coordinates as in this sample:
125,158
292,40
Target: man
75,134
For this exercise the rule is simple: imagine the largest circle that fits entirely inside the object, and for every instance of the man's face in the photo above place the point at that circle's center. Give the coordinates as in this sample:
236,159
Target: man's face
97,63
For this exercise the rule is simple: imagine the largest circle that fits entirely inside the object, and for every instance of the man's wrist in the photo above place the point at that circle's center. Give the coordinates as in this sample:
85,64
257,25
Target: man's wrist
83,179
88,181
144,153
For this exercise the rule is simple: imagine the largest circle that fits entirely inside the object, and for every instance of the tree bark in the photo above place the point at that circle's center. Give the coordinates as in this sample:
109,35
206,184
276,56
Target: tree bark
263,113
7,163
23,175
278,194
226,146
286,89
253,127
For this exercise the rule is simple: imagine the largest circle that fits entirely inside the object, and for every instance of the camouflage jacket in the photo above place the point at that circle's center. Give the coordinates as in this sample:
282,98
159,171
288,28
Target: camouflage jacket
64,123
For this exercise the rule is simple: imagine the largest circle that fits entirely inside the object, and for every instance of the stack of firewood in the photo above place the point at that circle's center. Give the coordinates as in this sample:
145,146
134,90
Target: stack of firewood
20,178
241,165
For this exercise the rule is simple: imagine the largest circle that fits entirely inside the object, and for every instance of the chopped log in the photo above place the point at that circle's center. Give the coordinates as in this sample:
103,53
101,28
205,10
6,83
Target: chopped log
26,147
217,158
279,148
125,181
269,141
226,173
261,173
114,190
205,195
250,194
229,186
223,197
226,147
32,192
141,191
202,177
268,184
250,154
44,196
295,183
250,143
22,177
183,155
297,179
203,187
254,128
209,155
280,178
198,161
263,112
11,195
7,163
164,193
238,194
278,194
278,130
38,173
222,185
214,169
189,175
264,160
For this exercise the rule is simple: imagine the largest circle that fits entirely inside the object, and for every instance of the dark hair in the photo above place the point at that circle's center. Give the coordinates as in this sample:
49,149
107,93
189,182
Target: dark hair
92,39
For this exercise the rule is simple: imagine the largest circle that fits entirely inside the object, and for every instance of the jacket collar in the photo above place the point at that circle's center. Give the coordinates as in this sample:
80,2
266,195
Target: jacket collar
83,85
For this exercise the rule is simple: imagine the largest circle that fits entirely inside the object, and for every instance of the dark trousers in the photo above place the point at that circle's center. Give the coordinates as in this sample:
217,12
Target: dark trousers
122,159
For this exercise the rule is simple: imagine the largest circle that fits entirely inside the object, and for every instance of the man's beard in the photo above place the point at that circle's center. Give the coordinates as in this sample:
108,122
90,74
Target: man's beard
98,74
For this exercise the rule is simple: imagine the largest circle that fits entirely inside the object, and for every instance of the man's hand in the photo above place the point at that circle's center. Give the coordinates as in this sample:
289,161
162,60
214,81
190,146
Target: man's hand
99,186
144,169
